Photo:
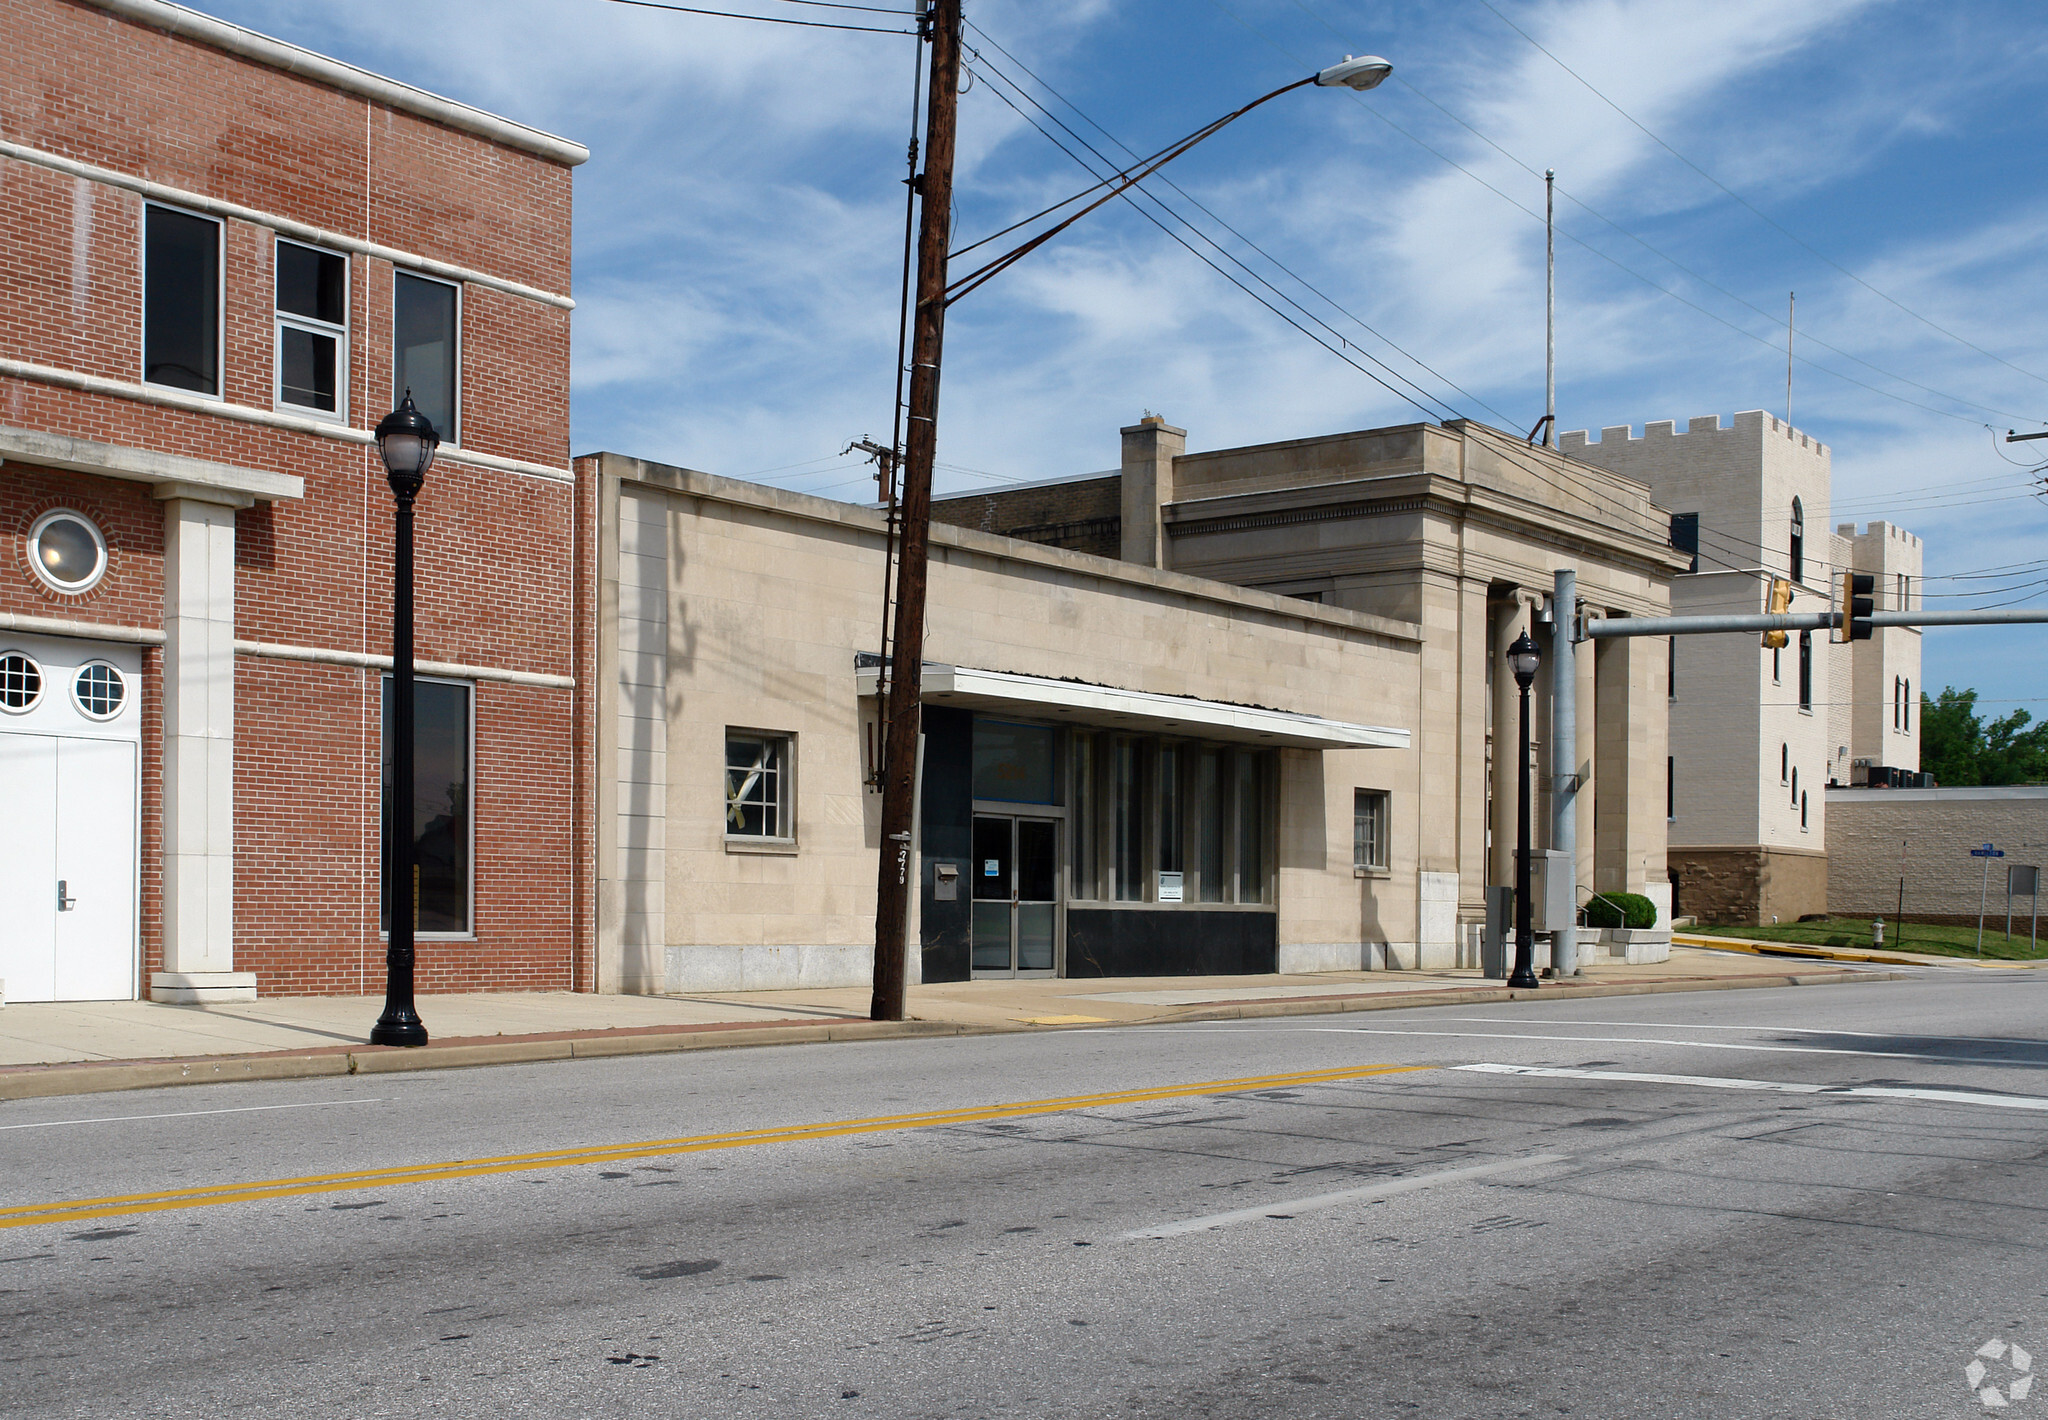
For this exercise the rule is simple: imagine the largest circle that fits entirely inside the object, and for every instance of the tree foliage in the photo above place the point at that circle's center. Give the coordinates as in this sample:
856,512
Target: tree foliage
1959,749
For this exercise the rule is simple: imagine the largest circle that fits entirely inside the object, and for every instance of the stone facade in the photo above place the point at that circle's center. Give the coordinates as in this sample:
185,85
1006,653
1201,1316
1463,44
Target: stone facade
1757,735
1748,884
1924,836
249,539
1459,529
725,606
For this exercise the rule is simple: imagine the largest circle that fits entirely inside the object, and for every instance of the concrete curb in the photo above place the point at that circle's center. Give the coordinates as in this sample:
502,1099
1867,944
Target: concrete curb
45,1081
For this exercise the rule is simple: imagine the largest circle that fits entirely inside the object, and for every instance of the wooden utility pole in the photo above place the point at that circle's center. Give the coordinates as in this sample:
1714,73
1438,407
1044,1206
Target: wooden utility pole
906,672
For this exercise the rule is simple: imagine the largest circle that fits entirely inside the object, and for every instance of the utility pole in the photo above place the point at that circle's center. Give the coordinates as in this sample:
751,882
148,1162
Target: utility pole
1550,307
920,445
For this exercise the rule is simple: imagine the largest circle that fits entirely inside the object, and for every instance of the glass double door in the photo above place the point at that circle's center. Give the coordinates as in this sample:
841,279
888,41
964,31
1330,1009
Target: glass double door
1016,894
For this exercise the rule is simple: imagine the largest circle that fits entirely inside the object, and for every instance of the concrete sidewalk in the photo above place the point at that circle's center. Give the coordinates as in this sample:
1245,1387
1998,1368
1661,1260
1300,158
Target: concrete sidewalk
79,1047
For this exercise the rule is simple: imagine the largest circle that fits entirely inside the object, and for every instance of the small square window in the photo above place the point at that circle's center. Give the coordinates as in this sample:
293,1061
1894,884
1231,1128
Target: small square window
1369,830
757,803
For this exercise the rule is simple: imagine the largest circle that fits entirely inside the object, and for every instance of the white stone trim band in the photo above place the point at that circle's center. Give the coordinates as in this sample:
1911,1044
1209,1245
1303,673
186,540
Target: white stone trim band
277,652
80,630
249,414
321,69
283,226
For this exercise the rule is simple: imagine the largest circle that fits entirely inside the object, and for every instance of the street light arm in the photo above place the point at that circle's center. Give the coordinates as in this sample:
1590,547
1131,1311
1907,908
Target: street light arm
1124,181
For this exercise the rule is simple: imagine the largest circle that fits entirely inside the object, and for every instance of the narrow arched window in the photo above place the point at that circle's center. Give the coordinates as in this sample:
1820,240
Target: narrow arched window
1798,542
1802,813
1795,786
1806,670
1784,763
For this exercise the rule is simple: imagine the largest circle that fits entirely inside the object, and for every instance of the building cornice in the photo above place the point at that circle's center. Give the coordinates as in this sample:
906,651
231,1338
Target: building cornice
173,475
322,69
694,484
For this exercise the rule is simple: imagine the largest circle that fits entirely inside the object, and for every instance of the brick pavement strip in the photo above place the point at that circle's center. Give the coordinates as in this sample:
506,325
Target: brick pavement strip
43,1081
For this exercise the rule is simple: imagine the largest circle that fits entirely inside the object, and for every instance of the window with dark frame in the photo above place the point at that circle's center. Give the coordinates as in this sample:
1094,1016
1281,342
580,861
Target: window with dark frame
1806,670
1670,786
312,328
425,350
181,311
757,786
1798,542
443,817
1369,830
1906,709
1144,808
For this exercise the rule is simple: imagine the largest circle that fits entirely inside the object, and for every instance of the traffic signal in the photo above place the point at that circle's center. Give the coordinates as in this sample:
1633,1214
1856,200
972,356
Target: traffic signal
1859,600
1781,602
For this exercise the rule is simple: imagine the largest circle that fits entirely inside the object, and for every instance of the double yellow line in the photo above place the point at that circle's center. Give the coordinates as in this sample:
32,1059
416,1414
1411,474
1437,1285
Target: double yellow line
30,1214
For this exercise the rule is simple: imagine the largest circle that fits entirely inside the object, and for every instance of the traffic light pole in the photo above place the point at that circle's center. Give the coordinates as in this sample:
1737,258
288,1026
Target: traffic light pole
1610,627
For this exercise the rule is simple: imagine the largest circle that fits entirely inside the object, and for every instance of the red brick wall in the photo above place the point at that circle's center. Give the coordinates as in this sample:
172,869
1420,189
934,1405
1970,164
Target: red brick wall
497,554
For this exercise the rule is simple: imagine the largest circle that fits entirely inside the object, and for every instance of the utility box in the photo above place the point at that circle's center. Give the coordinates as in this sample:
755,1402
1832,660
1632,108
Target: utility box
945,882
1493,942
1552,891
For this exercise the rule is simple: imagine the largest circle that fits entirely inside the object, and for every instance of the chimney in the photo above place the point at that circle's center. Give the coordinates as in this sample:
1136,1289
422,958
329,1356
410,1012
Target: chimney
1150,447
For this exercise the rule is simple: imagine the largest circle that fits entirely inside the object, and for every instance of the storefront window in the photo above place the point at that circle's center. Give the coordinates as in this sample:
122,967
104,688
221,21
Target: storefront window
1015,763
1081,822
1251,828
1128,807
1211,867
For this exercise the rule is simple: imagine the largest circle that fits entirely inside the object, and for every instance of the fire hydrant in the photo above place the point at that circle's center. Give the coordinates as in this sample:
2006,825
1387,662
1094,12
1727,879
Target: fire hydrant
1877,932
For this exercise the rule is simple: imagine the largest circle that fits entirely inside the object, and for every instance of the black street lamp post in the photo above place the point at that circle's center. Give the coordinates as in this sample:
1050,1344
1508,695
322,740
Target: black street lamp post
406,442
1523,658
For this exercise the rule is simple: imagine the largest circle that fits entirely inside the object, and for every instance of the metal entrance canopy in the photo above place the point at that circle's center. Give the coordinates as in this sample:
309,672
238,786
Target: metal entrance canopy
1109,707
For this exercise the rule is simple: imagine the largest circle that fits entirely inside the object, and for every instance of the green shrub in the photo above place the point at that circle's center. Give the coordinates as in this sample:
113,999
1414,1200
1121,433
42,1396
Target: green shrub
1621,909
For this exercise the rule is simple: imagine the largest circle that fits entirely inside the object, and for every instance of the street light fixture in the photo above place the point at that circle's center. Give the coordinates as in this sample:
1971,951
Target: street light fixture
1523,659
406,442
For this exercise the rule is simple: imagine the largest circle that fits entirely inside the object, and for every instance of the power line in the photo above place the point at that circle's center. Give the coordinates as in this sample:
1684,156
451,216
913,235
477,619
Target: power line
1340,350
1221,222
777,19
1775,226
1612,260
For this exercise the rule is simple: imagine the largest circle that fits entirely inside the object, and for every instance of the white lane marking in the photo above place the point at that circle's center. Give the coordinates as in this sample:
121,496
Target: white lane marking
1802,1030
1386,1189
187,1113
1640,1040
1783,1087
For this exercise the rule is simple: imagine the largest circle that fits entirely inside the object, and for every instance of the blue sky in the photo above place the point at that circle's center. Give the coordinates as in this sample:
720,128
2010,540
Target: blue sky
738,233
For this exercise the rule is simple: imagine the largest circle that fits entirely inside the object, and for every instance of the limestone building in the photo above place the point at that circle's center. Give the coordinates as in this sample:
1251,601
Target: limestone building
1456,530
1758,734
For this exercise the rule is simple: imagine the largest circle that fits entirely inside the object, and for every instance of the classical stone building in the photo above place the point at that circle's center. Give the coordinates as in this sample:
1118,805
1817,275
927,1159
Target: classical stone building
226,258
1261,736
1757,734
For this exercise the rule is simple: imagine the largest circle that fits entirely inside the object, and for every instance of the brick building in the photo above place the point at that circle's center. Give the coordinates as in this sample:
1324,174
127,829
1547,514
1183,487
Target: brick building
226,258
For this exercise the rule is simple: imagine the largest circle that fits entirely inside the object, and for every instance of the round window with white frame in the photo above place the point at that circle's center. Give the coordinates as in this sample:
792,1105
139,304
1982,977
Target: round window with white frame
99,691
21,683
67,551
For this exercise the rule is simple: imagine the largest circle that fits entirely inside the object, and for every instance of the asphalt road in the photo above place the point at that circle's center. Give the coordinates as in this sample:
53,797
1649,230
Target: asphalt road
1818,1201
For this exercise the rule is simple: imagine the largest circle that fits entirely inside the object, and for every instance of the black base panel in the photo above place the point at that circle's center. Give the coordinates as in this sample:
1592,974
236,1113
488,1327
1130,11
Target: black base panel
1136,942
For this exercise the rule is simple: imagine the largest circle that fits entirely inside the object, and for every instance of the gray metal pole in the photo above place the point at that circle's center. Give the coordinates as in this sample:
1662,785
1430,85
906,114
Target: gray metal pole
1564,754
1983,894
1550,312
1602,628
2008,904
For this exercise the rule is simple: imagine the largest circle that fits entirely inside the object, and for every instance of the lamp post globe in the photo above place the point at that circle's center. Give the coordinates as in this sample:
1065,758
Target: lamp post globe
1524,657
406,442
